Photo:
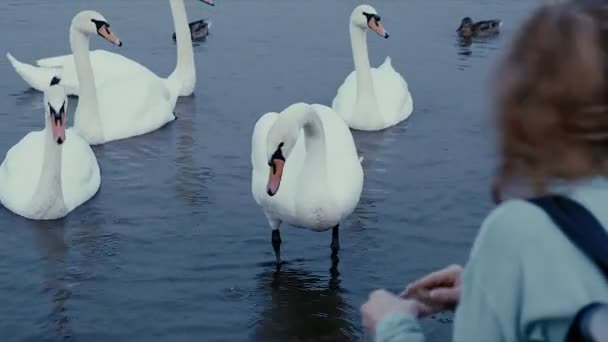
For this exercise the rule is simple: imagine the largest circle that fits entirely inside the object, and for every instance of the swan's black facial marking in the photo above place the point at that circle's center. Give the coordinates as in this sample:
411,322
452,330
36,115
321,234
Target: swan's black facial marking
370,16
278,154
57,116
55,81
57,120
101,26
100,23
103,30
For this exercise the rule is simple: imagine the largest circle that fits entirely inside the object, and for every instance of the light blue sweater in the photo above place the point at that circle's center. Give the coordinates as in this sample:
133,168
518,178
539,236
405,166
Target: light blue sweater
524,280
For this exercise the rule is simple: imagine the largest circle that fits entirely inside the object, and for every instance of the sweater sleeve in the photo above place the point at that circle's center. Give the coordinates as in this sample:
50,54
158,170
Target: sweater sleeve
399,327
491,298
475,319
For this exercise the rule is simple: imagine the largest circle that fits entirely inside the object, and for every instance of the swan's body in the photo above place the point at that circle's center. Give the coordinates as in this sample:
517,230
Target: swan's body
44,177
371,98
112,67
322,178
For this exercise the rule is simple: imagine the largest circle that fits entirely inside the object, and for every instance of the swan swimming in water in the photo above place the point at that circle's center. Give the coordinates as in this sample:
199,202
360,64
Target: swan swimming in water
371,99
306,171
109,66
127,106
49,173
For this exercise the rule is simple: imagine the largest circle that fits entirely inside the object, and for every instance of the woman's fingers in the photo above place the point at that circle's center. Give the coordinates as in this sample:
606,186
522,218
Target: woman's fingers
446,298
443,278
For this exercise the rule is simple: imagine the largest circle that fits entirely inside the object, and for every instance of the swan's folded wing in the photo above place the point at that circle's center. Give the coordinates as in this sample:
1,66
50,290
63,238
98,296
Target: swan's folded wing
393,93
134,106
53,62
80,173
344,102
61,61
344,171
20,171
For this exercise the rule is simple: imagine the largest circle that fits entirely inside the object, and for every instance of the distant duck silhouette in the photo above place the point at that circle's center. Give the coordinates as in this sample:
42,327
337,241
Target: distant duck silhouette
484,28
199,30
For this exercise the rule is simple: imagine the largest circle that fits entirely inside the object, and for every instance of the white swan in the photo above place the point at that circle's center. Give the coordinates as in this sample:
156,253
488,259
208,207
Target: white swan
306,171
124,107
371,99
49,173
109,66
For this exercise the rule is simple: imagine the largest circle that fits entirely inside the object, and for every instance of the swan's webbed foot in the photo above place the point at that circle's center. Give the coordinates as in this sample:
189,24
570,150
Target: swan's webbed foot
276,244
335,240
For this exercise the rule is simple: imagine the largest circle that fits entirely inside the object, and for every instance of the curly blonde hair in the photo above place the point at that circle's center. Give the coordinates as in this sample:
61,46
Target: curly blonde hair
552,98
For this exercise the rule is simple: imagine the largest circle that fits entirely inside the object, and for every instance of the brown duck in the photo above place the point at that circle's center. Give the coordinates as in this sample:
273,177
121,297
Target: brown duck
484,28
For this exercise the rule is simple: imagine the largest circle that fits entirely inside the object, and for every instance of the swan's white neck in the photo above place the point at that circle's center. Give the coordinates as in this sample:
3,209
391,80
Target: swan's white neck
366,96
315,165
86,119
48,196
184,75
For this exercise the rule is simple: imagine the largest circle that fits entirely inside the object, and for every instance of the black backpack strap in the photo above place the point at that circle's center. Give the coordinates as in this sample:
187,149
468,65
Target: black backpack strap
587,233
579,225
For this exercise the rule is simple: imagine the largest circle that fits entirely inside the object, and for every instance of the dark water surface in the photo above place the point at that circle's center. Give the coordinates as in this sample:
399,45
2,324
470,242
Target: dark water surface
174,248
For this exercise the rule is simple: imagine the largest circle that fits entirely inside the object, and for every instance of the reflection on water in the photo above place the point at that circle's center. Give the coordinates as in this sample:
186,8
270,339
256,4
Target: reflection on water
49,237
474,47
191,180
301,306
29,97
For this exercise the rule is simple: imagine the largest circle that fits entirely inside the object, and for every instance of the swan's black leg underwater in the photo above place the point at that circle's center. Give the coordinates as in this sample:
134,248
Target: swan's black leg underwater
335,239
276,244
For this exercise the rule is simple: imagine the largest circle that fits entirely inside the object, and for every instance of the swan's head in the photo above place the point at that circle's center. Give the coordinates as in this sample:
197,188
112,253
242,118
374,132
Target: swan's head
364,17
209,2
280,142
56,106
91,23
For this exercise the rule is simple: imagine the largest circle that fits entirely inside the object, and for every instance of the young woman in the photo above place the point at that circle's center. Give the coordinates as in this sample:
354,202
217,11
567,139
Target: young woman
524,280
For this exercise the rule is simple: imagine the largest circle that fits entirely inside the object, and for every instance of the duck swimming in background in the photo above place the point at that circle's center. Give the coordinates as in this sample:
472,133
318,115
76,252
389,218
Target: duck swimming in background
199,30
484,28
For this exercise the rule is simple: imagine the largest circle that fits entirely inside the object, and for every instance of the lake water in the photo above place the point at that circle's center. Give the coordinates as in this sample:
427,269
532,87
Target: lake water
174,248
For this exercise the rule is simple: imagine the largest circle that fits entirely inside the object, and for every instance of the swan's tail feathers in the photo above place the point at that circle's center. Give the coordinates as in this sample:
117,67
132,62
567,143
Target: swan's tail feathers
38,78
387,65
361,159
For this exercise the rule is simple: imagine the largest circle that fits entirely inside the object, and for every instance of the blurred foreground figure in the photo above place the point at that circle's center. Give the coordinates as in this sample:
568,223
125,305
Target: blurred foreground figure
527,277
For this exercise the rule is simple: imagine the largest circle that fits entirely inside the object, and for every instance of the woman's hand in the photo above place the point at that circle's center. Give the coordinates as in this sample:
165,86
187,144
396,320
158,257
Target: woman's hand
438,291
382,303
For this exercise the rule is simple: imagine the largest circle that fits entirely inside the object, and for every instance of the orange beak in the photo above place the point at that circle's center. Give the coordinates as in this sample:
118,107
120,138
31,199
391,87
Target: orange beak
58,126
274,176
104,31
375,26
